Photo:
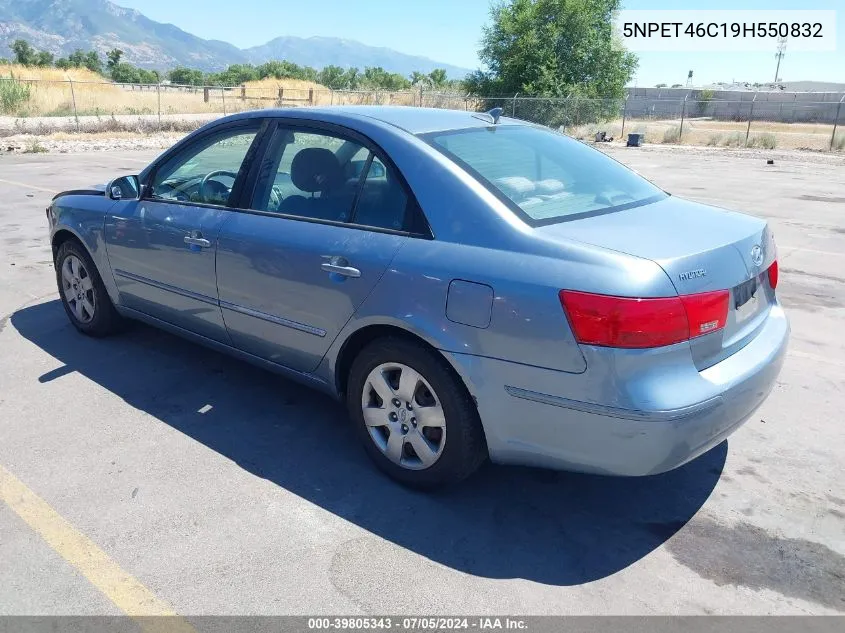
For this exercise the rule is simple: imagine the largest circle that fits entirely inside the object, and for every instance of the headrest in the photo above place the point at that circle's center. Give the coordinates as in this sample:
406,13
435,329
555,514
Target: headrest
316,169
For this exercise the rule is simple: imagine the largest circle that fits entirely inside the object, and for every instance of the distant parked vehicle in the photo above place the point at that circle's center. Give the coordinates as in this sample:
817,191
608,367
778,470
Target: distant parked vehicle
472,286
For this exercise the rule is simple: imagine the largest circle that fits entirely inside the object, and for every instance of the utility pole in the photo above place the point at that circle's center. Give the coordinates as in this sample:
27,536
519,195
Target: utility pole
780,55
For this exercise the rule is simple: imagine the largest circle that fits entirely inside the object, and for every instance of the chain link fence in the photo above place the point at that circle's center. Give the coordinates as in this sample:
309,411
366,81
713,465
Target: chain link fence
38,106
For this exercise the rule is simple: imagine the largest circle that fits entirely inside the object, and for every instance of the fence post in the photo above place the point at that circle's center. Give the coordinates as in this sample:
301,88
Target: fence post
205,95
421,94
835,123
513,109
243,92
223,96
73,98
331,98
683,114
281,95
624,114
158,94
750,117
466,103
310,96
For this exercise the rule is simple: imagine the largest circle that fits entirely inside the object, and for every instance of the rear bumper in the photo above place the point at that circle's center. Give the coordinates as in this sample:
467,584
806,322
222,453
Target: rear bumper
629,414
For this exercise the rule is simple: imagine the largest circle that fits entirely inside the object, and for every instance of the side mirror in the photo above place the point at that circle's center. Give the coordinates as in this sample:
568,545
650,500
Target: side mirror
124,188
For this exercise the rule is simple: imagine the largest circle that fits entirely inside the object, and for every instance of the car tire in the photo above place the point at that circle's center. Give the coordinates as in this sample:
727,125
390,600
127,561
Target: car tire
447,453
83,294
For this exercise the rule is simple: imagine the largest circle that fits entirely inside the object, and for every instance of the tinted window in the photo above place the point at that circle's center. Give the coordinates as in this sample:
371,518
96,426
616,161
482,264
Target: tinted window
326,177
207,171
382,201
547,175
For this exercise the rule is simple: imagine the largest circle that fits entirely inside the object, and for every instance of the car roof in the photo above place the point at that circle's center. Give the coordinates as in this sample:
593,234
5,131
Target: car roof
411,119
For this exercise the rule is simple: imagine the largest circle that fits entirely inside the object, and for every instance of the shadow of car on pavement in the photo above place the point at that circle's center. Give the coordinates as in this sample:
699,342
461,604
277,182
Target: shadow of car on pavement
504,522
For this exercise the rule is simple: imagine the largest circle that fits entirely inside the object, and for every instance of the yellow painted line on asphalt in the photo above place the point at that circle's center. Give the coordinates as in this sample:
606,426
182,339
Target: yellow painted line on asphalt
126,592
27,186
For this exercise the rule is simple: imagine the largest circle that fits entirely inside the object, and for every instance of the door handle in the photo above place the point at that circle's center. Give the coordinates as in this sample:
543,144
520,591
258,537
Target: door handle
340,266
197,241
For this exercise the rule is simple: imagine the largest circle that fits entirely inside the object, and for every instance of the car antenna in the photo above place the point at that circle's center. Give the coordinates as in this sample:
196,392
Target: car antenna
491,116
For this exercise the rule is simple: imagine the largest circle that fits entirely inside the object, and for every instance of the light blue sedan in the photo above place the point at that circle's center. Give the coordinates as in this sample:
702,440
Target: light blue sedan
472,286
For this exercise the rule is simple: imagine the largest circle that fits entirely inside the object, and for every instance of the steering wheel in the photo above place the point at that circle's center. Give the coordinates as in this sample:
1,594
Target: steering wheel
203,188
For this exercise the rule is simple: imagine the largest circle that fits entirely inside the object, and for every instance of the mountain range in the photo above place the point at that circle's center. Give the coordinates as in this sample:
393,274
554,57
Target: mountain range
60,26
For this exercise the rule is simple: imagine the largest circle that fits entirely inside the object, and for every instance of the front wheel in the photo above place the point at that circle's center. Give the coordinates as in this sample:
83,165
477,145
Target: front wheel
414,415
83,293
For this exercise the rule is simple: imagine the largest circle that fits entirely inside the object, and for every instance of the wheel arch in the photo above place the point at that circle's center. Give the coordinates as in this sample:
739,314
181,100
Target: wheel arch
64,234
360,338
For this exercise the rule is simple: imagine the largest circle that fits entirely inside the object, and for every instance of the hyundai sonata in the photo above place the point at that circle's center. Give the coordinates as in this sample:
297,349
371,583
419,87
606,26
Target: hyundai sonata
470,285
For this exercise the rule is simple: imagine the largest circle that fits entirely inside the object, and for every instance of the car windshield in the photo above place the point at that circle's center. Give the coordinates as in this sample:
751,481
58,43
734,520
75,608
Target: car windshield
545,176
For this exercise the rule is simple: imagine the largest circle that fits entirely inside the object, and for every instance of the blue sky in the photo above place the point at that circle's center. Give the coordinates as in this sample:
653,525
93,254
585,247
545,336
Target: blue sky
449,31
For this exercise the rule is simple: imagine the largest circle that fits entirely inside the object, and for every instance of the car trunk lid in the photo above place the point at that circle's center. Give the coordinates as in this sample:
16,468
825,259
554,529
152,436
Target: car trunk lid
701,249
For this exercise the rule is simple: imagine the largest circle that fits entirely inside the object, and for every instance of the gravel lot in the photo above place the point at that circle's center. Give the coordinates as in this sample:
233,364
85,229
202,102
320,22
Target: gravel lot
265,504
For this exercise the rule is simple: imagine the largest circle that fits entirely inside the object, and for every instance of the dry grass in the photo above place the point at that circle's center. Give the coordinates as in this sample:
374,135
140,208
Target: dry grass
288,84
100,136
109,125
52,94
766,134
48,74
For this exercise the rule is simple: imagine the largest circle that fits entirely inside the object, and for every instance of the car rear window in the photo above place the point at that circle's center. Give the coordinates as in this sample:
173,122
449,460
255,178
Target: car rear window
544,176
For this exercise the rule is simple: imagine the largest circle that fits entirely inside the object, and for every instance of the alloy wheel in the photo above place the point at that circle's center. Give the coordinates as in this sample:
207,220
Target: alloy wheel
78,288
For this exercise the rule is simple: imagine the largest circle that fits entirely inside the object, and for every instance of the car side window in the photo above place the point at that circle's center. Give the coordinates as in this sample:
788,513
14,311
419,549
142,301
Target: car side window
206,172
382,202
322,176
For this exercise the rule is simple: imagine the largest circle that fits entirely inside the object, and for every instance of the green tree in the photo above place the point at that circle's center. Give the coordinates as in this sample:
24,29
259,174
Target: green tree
333,77
124,73
352,79
419,79
438,77
92,62
43,59
81,59
186,76
24,53
148,76
240,73
553,48
378,78
283,69
113,57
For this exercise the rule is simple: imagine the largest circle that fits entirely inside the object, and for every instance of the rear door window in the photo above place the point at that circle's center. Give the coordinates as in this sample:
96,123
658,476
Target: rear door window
322,176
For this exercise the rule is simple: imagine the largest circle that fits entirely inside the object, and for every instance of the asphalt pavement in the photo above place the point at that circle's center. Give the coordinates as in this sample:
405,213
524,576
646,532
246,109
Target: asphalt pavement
143,472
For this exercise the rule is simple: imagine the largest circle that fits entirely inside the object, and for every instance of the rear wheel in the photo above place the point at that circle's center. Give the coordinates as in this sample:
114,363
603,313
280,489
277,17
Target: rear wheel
414,415
83,293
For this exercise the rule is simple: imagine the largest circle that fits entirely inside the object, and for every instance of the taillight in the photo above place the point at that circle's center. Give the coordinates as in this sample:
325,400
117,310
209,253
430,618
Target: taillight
773,274
638,323
706,311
